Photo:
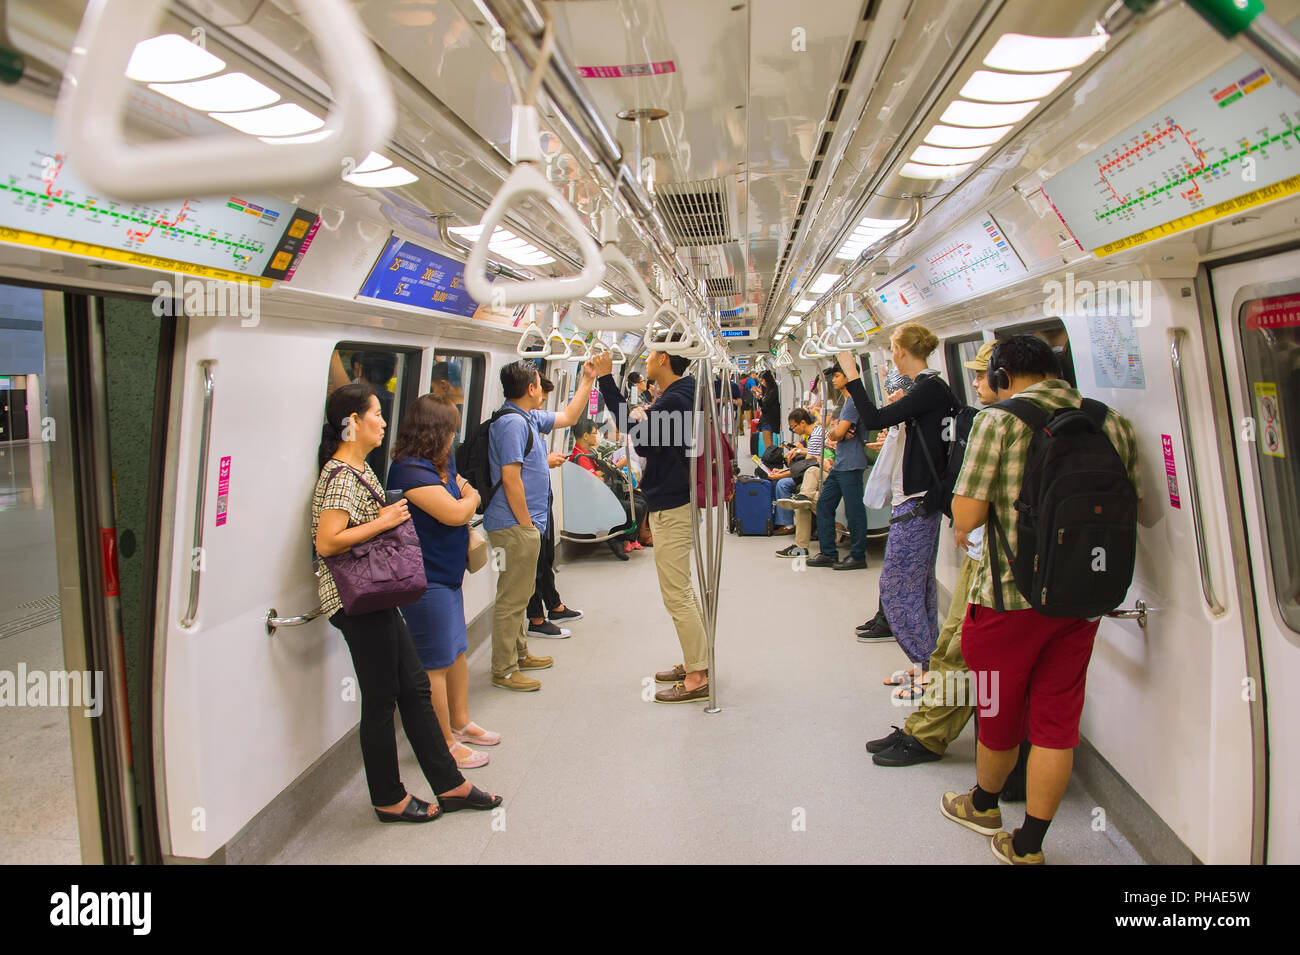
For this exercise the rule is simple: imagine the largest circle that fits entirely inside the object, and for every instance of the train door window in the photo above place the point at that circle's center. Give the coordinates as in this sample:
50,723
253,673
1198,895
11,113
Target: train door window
956,353
1271,352
1053,332
393,373
458,377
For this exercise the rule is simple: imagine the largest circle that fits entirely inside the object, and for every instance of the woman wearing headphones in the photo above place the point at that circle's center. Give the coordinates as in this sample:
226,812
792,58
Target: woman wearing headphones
909,593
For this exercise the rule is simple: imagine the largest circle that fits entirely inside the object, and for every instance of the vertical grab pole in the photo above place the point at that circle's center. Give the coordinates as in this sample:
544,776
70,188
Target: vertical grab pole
711,569
720,522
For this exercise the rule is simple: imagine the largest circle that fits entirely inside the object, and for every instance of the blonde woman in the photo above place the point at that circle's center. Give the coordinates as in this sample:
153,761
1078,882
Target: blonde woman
909,593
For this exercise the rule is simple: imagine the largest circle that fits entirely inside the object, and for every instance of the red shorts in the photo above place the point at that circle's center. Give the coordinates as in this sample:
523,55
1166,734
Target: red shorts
1029,675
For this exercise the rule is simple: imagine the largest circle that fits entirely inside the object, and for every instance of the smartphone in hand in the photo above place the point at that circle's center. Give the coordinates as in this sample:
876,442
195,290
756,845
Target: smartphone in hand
392,497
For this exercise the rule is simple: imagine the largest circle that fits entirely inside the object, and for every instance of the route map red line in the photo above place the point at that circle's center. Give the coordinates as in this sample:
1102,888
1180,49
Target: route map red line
180,217
1146,144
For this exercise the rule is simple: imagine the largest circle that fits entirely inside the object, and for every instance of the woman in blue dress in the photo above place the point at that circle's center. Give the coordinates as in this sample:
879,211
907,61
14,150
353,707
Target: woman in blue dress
424,468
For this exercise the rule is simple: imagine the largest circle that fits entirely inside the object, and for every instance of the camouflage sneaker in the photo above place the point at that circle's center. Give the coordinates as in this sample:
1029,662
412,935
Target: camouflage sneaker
1004,848
961,809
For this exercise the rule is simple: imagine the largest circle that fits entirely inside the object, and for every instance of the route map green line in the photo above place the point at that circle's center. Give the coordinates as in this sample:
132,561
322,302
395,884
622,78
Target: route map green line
992,254
1290,131
16,189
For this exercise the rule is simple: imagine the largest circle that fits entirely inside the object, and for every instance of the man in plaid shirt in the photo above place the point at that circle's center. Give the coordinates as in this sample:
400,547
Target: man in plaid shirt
1034,666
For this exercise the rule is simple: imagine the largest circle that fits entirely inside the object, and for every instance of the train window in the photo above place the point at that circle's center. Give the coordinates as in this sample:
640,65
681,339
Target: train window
392,373
1272,359
956,353
1053,332
458,377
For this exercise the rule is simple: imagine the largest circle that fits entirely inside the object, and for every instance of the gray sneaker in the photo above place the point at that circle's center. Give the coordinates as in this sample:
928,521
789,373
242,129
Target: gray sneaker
793,551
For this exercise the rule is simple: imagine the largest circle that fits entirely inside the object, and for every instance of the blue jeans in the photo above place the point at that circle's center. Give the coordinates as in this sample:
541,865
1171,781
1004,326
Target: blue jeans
784,488
844,484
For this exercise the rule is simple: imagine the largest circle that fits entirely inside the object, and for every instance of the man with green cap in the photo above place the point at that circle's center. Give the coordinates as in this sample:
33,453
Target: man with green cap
939,720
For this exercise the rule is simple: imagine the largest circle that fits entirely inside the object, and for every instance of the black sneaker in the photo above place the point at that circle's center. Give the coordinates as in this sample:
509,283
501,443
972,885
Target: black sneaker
874,636
882,744
875,623
546,629
821,560
848,563
906,752
793,551
568,613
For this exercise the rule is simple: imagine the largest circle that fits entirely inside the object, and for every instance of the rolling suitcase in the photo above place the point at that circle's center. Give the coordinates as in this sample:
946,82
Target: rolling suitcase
752,507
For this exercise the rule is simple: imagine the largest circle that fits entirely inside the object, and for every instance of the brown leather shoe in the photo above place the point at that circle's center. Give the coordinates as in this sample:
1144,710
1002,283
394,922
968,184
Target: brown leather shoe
516,681
677,693
675,675
531,662
783,529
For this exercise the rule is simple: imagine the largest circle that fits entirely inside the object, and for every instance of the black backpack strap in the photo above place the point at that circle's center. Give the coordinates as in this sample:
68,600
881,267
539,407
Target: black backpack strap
528,444
1027,411
992,532
1096,412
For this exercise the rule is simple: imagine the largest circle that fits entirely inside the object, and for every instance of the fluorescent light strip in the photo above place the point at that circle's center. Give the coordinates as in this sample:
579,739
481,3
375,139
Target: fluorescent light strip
994,87
625,310
290,140
917,170
803,305
1035,54
170,58
942,156
824,282
224,93
962,112
373,163
286,119
599,292
956,137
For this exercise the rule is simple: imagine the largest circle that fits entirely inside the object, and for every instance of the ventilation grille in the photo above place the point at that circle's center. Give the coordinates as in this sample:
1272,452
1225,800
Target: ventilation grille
724,287
698,213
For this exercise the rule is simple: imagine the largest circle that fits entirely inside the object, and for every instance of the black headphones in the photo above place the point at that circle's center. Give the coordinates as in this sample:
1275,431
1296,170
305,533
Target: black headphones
999,379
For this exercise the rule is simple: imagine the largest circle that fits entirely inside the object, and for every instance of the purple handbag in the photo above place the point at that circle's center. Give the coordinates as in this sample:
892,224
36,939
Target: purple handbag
384,572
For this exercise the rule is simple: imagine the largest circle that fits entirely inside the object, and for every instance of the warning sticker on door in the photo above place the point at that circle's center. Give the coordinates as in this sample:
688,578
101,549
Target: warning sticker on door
1270,419
223,490
1171,473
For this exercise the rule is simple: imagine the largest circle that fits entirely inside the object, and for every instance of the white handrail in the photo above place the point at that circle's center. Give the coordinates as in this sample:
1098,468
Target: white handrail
94,95
611,254
619,357
527,180
676,322
558,336
539,352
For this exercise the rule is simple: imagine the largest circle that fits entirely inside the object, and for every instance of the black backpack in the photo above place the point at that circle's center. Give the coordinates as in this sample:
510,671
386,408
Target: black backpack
1076,515
473,463
956,432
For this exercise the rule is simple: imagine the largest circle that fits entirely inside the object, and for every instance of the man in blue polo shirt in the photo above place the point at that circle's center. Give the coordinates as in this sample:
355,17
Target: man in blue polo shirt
516,515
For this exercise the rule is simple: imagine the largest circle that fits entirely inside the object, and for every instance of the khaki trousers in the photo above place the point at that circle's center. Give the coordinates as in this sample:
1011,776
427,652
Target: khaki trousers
810,486
938,721
515,550
672,531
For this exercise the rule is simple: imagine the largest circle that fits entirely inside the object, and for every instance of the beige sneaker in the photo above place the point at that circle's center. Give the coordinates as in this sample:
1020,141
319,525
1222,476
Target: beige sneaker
960,809
531,662
1004,848
517,681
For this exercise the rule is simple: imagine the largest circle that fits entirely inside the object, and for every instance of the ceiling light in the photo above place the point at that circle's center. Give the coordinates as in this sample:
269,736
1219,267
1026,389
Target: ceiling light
535,257
507,245
1011,87
960,112
1034,54
917,170
599,292
229,91
467,231
943,156
290,140
803,306
373,162
823,283
286,119
958,138
625,310
170,58
383,179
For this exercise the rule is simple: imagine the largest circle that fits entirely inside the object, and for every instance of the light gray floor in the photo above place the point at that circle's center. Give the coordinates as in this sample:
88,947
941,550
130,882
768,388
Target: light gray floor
38,822
593,773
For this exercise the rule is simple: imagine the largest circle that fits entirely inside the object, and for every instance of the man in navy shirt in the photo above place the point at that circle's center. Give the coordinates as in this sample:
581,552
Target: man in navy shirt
516,516
666,432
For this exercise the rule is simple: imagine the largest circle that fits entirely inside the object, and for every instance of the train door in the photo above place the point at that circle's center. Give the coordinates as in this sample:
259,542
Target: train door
1257,308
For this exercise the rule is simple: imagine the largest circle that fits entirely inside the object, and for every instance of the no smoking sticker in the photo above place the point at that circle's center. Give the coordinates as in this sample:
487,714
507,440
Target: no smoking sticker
1270,419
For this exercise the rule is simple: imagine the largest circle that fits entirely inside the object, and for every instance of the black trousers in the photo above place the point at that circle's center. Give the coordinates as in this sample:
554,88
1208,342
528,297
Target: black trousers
389,675
545,596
